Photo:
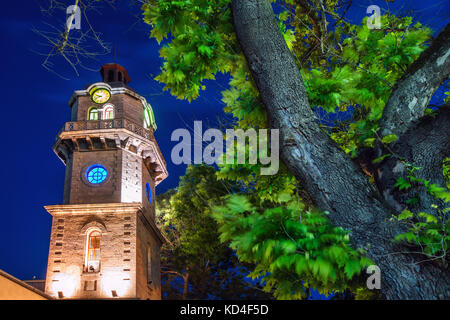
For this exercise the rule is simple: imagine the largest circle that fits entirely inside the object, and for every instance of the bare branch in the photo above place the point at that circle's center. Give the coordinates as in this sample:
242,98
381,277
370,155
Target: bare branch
73,46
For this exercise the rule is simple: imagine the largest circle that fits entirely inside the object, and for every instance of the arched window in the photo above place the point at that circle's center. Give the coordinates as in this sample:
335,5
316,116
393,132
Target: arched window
111,75
149,117
92,113
92,261
148,191
108,112
120,76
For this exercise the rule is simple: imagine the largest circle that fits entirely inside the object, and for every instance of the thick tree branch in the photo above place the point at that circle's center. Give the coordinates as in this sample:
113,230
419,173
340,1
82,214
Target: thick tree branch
425,145
330,177
412,93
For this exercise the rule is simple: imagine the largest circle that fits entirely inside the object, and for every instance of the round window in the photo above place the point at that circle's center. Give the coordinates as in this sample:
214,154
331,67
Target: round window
96,174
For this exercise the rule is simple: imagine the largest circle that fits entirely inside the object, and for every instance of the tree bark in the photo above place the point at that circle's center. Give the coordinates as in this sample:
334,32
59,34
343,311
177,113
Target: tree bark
424,145
334,182
412,93
186,284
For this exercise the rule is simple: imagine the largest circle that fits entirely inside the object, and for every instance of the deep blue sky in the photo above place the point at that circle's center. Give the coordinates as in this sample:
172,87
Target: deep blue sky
34,106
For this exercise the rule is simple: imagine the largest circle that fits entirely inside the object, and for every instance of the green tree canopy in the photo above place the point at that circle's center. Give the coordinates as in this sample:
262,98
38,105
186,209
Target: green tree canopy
194,255
344,67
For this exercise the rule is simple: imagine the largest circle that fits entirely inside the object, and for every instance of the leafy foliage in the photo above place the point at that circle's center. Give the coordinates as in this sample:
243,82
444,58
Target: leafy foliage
358,70
430,232
199,31
293,250
345,67
446,171
193,253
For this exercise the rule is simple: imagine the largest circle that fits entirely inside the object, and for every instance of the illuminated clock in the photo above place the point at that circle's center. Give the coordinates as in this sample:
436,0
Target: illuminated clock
100,95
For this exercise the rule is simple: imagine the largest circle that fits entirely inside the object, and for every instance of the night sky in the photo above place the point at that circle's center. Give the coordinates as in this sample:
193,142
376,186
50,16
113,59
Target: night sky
34,105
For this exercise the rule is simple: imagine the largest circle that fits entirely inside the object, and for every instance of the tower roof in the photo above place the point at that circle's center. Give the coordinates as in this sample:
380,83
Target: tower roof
113,72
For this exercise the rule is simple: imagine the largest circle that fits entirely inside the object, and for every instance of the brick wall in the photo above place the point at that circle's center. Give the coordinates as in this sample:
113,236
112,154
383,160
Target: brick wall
125,106
148,284
67,256
109,191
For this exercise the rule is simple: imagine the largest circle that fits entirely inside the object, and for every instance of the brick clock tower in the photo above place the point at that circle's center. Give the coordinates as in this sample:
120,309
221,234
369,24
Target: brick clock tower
104,240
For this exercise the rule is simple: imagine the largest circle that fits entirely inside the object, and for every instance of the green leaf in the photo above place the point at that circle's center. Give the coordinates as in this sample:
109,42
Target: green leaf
379,159
283,16
433,232
178,75
389,138
405,214
428,217
288,246
439,192
445,195
352,267
408,236
402,184
205,50
284,197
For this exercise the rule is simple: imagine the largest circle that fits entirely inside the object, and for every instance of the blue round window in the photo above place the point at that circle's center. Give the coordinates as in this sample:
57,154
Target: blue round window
148,189
96,174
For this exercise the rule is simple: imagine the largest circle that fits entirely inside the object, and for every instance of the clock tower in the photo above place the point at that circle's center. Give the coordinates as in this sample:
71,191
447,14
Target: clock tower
104,240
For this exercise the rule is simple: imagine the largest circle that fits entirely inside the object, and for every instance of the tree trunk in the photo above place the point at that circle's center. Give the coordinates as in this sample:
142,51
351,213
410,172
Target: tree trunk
422,142
333,181
424,145
186,285
204,281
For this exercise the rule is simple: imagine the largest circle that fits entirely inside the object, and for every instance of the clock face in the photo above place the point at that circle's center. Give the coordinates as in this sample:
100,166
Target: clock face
101,95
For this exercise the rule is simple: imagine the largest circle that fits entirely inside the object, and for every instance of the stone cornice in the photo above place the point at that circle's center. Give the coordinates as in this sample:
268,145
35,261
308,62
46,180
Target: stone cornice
106,208
89,208
124,132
